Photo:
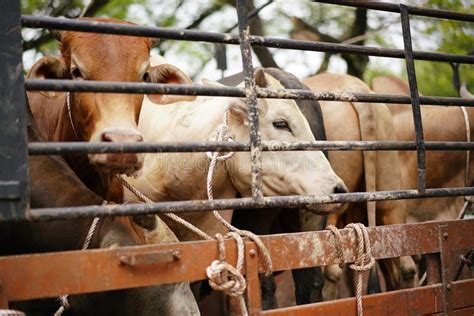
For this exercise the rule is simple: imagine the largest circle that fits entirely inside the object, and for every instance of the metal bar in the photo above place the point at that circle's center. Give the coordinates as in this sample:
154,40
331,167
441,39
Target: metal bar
254,296
95,270
174,89
251,98
213,37
392,7
293,201
445,243
252,14
415,99
56,148
13,151
417,301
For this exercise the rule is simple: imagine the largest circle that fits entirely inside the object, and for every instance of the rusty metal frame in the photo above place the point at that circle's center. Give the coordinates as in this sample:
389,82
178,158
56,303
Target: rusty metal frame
82,272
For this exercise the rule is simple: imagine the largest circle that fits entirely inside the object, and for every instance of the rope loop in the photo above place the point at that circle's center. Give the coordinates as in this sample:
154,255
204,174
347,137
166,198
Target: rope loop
364,258
223,276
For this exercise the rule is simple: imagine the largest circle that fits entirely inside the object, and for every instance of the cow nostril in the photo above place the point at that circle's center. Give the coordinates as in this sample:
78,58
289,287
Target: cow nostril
117,137
106,137
340,188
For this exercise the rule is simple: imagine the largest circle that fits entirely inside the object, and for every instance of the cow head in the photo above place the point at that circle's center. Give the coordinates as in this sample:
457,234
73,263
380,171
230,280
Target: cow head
283,172
102,117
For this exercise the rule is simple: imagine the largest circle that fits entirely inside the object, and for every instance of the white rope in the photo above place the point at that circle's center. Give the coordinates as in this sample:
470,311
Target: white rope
69,112
224,134
63,299
364,259
224,277
172,216
467,200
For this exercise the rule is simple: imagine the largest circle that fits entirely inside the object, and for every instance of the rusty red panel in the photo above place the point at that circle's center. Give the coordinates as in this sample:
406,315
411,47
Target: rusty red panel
418,301
49,275
316,248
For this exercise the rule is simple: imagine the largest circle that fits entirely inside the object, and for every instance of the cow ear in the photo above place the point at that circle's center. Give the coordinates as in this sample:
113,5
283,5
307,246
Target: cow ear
260,78
49,67
166,73
239,110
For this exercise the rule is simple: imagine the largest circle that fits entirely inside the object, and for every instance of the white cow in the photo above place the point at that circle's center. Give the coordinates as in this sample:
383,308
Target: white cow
182,176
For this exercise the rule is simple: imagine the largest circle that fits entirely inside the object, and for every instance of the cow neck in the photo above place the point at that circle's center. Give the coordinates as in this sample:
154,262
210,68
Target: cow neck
99,182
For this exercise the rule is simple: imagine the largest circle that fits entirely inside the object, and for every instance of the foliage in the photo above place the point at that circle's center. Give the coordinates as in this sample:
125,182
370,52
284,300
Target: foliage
334,22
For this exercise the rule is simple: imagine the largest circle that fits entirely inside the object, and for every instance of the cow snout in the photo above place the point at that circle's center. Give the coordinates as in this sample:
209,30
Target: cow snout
116,137
127,163
324,209
340,188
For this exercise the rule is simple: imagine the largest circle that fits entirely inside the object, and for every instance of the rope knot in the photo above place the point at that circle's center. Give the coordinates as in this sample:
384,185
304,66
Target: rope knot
364,259
224,277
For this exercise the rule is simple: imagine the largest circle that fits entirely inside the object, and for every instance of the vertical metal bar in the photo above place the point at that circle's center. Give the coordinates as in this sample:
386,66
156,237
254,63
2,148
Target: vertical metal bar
251,98
13,141
254,296
445,254
415,98
433,268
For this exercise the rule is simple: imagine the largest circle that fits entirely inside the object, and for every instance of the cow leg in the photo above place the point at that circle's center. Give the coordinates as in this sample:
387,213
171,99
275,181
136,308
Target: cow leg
332,275
400,272
309,282
259,222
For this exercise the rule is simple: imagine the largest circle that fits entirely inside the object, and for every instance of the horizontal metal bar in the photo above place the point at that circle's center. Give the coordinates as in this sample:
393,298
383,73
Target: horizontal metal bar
175,89
125,29
425,300
393,7
355,49
213,37
76,272
54,148
292,201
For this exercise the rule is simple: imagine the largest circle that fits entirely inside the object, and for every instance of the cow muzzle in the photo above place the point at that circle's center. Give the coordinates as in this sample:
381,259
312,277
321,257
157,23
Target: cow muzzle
325,209
123,163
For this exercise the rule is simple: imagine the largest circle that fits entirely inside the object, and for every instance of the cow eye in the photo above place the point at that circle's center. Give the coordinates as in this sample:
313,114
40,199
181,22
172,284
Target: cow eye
282,124
146,77
76,73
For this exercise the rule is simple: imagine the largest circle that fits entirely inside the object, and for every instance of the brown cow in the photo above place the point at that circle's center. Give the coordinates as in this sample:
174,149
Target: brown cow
94,117
368,171
443,168
48,173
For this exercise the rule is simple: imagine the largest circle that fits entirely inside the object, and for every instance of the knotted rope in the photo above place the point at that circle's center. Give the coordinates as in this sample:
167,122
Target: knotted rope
224,277
63,299
364,259
224,135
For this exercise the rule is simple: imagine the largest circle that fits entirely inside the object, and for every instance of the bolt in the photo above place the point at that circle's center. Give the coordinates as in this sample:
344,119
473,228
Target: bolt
252,252
176,255
445,235
448,286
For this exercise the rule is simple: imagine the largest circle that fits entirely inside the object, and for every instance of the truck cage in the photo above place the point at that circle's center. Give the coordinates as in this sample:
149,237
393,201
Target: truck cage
99,270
